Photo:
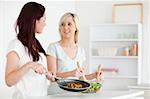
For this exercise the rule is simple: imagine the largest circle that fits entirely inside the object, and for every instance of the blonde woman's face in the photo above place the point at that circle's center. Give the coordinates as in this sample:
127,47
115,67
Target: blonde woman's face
68,28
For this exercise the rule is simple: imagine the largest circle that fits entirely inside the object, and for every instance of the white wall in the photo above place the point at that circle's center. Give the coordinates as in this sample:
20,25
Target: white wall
148,66
9,11
1,38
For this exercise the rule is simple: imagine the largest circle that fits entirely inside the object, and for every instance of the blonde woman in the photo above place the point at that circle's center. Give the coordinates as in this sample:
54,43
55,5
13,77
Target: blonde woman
63,55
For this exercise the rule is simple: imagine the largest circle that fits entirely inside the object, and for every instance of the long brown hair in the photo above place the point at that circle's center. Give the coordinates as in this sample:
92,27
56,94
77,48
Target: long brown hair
26,21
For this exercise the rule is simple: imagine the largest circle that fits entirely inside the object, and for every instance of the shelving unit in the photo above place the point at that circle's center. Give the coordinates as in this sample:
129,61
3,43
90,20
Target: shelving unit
123,57
116,40
121,77
117,46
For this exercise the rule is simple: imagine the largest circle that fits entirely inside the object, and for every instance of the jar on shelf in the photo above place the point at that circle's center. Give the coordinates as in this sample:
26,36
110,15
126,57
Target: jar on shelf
135,51
126,51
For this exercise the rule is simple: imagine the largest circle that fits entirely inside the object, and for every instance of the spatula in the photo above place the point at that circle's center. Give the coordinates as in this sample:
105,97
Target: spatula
98,76
80,68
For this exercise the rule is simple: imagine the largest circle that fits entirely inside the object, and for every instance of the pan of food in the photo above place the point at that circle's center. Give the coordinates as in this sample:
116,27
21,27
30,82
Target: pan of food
76,85
73,85
84,85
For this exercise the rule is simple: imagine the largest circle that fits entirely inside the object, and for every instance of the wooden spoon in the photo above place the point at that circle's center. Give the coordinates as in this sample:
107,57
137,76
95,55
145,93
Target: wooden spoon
98,72
81,69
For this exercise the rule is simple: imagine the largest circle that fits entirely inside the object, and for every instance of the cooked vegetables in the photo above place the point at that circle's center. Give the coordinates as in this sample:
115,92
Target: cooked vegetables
74,85
94,88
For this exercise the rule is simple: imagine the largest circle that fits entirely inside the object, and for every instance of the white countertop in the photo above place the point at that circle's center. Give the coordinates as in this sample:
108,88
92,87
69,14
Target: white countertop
99,95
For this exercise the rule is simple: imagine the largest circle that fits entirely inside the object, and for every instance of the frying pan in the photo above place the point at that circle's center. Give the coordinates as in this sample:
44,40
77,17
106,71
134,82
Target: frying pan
62,83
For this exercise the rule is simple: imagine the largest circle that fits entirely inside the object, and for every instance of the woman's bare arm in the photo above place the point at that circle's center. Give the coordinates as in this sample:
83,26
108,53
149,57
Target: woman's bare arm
14,73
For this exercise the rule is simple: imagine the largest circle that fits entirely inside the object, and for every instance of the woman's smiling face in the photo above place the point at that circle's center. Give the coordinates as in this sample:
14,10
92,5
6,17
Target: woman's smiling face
67,28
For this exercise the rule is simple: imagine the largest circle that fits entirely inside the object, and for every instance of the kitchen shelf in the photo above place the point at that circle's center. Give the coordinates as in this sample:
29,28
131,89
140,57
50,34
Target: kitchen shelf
143,87
117,57
120,77
116,40
117,46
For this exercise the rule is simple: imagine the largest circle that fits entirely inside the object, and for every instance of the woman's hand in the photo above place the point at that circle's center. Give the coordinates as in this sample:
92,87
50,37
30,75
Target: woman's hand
38,68
99,73
78,72
50,76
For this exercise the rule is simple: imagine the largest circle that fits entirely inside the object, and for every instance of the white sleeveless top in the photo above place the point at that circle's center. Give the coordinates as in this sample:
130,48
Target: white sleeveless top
31,84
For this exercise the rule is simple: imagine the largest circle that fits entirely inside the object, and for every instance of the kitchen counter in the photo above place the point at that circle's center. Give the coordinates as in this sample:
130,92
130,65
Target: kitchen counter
99,95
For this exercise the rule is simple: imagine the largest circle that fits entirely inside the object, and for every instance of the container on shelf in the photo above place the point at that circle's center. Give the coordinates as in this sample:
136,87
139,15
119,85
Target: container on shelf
127,36
126,52
95,52
135,51
107,51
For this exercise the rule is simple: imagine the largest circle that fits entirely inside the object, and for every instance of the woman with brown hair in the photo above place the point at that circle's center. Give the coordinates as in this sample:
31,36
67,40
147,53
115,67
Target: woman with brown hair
26,59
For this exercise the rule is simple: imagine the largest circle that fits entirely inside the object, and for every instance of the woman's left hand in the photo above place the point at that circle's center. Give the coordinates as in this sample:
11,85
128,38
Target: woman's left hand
99,73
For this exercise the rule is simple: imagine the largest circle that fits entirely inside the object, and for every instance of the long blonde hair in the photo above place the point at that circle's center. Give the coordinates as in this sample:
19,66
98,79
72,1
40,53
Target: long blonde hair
75,19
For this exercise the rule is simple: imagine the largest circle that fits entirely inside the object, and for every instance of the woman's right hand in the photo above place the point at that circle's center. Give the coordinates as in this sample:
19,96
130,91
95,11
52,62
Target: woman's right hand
50,76
77,72
38,68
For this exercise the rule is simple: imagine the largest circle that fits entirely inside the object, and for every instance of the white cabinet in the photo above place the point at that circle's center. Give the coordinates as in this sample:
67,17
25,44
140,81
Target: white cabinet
117,47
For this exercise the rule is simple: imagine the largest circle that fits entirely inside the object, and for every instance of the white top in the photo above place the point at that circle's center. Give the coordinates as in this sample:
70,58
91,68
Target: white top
64,62
31,84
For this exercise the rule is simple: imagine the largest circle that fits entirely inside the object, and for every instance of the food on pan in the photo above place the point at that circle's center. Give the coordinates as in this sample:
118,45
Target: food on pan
74,85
